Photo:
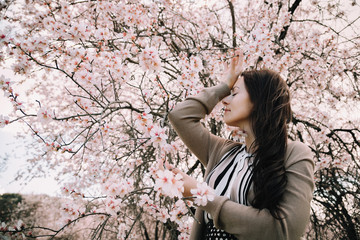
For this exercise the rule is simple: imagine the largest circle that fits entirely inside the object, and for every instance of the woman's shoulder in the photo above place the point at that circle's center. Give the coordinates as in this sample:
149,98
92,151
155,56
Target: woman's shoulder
223,149
297,151
297,146
228,145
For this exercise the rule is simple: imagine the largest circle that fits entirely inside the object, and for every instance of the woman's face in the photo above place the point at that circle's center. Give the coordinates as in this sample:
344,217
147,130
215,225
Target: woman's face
238,106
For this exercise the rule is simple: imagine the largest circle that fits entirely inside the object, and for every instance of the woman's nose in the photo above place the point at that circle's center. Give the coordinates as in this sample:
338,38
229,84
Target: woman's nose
225,101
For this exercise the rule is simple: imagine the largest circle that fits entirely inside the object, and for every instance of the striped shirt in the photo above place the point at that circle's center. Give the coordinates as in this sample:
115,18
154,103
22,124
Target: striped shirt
231,177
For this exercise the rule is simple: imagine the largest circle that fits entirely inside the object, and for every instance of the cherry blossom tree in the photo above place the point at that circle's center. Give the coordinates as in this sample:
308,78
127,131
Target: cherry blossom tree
102,76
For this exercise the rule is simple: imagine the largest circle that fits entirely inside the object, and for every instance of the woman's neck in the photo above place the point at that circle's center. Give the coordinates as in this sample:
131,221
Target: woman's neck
249,142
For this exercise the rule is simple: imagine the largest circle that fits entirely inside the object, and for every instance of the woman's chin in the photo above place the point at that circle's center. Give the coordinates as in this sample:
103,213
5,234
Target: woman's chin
230,124
235,124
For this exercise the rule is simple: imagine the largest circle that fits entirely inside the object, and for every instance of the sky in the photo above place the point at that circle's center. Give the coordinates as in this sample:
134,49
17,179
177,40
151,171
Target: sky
14,150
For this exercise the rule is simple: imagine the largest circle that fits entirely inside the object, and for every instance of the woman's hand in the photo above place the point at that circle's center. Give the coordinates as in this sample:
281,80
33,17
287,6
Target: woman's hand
233,71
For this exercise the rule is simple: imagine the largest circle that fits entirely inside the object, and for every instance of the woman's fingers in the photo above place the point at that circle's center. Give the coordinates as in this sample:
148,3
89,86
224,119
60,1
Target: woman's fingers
176,171
234,63
234,68
240,60
161,165
226,66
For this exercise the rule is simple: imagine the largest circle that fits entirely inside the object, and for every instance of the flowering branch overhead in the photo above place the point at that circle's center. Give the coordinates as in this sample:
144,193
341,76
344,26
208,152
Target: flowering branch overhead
100,78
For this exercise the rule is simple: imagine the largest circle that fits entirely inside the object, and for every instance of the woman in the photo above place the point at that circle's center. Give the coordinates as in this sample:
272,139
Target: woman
263,187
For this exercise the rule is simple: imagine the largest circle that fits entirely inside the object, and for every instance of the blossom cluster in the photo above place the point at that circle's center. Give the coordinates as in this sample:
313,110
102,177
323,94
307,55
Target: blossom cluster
44,115
71,212
4,120
203,193
70,191
13,232
190,69
149,59
118,187
154,132
168,183
5,85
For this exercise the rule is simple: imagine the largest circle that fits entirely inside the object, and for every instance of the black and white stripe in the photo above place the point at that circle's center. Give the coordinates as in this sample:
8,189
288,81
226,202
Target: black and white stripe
231,177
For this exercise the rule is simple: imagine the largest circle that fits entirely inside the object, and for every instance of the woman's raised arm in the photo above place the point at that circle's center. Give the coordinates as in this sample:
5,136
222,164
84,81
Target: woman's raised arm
186,116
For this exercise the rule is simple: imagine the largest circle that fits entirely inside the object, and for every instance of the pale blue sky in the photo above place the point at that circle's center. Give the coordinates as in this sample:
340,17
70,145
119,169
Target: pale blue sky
15,150
16,153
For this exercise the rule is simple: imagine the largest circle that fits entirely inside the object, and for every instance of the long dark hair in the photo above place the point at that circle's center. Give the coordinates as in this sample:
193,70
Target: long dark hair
270,96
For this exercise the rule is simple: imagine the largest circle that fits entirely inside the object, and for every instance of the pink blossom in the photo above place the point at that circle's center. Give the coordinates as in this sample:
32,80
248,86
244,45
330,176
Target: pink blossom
4,120
118,187
144,120
169,184
149,59
184,236
145,200
178,211
44,115
5,83
112,205
158,136
203,194
162,215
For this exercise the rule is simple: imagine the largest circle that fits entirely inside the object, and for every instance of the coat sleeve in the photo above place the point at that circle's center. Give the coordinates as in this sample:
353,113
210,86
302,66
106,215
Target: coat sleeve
246,222
186,116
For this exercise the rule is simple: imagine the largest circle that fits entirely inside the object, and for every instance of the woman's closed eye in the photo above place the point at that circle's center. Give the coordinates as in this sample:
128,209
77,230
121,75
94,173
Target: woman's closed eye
234,91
